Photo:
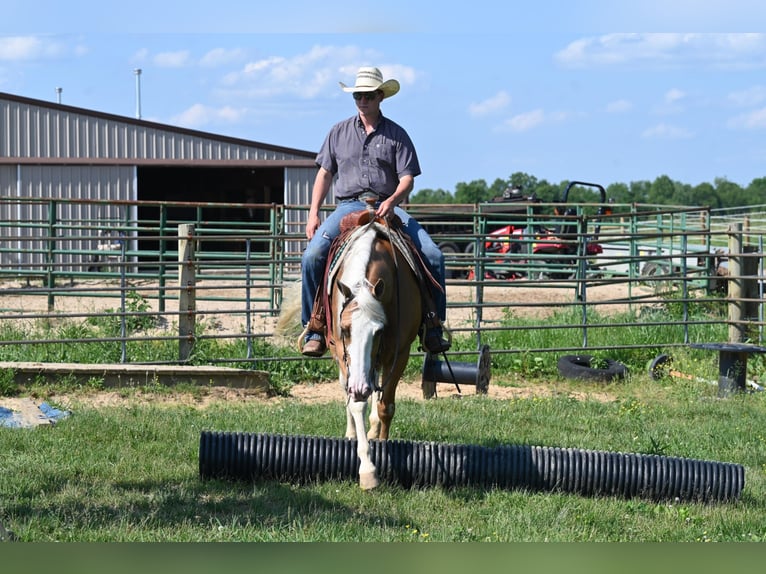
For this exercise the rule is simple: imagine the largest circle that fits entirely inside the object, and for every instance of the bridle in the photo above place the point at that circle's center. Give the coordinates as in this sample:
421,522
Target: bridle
347,306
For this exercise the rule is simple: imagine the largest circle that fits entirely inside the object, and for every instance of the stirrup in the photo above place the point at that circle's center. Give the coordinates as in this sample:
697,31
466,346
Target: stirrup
314,345
434,342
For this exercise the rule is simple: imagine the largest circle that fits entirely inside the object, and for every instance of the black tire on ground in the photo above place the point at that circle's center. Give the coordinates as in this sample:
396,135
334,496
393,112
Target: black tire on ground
578,367
659,367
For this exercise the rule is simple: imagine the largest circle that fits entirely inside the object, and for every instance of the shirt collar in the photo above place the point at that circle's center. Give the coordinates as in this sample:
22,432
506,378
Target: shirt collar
381,120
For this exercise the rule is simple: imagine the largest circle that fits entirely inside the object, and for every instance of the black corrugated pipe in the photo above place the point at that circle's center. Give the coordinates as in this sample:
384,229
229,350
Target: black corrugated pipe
250,456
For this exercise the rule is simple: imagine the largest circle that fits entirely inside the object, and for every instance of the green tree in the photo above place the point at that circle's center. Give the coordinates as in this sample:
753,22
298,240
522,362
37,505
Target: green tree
639,190
661,190
703,194
498,187
730,194
474,192
431,196
525,182
756,191
548,192
619,193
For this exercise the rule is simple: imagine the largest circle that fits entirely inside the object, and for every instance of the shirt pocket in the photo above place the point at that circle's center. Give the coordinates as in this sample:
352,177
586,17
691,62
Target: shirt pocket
384,156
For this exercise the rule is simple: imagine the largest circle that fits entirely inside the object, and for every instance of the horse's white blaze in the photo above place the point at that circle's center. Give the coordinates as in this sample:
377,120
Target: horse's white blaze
367,319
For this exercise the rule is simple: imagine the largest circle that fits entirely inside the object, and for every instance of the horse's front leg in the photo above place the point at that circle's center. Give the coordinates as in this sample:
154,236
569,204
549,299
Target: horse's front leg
350,426
367,476
374,431
386,407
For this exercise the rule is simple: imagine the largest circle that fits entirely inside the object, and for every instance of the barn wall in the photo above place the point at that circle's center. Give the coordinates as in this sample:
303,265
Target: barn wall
80,224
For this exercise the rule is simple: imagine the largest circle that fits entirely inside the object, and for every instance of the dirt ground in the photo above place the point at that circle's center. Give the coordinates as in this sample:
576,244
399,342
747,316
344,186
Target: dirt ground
223,315
321,393
223,306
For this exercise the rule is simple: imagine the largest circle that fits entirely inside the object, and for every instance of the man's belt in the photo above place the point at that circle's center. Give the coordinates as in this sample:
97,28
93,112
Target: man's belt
365,194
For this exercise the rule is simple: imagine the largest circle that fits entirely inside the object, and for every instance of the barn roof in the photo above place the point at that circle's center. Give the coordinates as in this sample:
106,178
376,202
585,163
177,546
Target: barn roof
39,131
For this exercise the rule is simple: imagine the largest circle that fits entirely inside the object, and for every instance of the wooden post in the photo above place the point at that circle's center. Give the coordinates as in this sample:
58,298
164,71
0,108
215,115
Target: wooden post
737,330
187,282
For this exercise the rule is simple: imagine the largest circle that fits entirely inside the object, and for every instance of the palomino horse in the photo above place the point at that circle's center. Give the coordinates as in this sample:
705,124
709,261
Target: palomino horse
375,310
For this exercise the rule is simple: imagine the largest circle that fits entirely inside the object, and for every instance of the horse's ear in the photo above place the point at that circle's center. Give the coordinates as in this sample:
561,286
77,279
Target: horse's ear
378,288
345,290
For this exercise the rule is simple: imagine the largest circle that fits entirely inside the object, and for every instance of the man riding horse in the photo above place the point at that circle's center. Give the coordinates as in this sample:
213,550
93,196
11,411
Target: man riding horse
370,158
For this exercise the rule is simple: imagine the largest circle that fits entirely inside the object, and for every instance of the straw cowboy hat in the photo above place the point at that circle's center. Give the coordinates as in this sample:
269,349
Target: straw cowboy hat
369,79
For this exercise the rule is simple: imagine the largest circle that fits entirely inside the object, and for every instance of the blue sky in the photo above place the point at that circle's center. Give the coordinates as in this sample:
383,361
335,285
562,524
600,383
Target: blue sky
591,90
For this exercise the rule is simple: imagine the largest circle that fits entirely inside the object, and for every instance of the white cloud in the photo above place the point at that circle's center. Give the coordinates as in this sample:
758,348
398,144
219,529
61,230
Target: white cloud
22,48
674,95
751,97
305,75
751,121
496,103
534,118
619,106
526,121
221,56
140,56
666,50
177,59
200,115
666,131
672,102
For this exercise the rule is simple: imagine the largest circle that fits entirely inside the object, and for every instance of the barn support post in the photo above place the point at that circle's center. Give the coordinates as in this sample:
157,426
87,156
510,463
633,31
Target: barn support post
187,281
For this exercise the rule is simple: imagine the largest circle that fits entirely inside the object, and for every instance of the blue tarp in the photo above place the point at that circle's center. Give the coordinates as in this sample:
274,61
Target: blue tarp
9,418
43,414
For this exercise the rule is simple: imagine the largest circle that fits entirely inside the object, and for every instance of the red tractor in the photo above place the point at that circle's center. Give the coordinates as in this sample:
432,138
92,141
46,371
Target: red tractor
544,252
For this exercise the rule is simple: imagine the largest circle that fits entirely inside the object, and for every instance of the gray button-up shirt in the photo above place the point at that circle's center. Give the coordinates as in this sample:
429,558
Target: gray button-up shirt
376,161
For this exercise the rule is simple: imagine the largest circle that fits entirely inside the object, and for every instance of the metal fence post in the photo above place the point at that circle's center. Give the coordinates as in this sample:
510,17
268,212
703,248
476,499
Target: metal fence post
50,255
161,256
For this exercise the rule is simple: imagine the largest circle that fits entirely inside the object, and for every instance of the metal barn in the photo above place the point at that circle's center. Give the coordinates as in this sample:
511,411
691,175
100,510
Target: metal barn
52,151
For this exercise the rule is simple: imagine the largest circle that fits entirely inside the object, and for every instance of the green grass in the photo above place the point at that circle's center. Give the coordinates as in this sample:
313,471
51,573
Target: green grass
533,345
130,473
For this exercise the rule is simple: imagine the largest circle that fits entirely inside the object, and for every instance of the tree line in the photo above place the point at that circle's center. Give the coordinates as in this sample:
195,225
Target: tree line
721,194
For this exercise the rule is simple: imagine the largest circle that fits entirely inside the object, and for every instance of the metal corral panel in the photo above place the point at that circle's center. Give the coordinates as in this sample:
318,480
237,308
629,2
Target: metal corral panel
32,130
299,183
80,227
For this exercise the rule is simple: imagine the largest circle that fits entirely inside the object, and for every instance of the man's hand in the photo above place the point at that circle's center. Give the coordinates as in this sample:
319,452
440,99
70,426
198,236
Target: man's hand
312,225
386,208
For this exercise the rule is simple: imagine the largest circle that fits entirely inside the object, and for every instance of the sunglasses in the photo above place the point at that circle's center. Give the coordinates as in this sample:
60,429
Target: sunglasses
369,96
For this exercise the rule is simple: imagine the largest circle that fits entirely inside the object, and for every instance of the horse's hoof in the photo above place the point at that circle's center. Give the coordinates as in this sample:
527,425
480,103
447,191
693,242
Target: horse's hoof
368,480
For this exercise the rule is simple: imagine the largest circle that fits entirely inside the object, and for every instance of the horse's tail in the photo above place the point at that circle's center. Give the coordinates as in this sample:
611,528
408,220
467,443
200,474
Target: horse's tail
289,326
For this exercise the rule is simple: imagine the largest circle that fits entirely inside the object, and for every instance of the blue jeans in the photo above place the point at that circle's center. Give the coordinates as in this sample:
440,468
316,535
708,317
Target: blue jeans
315,256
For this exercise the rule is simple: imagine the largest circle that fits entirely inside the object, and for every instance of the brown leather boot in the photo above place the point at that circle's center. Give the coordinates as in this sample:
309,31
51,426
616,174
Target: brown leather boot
314,345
